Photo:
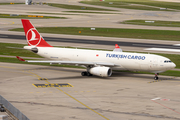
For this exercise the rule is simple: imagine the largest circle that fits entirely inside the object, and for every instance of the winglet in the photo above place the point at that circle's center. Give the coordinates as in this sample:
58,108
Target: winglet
20,59
117,46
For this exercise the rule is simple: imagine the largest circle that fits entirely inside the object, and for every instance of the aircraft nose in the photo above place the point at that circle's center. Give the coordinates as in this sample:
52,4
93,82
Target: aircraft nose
173,65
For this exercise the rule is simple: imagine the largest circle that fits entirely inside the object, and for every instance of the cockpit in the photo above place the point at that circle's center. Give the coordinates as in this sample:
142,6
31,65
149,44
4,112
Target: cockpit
167,61
168,64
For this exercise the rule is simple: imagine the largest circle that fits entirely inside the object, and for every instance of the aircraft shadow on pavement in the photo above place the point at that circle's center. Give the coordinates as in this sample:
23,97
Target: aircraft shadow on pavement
57,69
134,75
68,77
115,74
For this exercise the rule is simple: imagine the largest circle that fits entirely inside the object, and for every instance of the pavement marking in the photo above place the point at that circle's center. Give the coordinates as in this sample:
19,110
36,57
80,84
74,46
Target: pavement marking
59,91
72,97
176,44
34,74
16,72
154,100
82,103
162,80
8,67
163,49
52,85
15,68
165,99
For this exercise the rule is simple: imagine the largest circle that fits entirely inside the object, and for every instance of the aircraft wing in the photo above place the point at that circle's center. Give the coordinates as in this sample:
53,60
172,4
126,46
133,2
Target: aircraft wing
69,62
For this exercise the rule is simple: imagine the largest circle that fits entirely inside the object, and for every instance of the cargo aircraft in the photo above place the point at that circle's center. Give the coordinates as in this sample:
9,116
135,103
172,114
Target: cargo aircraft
97,62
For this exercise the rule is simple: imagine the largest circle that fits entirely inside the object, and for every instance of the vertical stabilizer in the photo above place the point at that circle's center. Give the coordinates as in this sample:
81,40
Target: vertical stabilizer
32,35
117,48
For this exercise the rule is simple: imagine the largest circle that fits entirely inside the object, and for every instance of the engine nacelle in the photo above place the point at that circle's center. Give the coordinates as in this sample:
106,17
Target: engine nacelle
101,71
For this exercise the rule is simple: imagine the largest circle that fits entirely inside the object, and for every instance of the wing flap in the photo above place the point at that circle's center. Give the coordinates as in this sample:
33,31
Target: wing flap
69,62
73,62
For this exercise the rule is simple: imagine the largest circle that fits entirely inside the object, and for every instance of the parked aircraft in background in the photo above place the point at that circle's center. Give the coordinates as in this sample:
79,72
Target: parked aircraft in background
99,63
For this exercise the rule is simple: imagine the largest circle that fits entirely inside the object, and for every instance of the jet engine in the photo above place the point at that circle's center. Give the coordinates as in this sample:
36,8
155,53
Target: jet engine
101,71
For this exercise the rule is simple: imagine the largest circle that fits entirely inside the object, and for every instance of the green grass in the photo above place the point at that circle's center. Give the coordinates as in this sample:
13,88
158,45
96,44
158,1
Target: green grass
10,4
89,12
5,50
112,32
76,7
52,13
135,4
156,23
171,73
26,16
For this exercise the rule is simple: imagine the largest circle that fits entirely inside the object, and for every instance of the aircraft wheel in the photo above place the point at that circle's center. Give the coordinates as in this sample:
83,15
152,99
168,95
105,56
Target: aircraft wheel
84,73
156,78
89,74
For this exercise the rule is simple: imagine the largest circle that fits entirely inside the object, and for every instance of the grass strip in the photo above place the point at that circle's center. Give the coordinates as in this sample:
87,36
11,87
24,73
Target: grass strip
76,7
136,4
155,23
16,51
10,3
112,32
52,13
28,16
89,12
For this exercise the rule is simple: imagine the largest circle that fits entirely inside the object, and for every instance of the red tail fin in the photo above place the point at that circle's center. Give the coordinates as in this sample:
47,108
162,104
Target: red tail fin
32,35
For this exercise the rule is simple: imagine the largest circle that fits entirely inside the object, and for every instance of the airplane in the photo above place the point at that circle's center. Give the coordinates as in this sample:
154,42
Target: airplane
97,62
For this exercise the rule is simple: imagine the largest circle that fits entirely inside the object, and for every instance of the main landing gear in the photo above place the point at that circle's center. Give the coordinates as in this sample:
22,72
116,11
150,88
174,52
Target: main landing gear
156,76
85,73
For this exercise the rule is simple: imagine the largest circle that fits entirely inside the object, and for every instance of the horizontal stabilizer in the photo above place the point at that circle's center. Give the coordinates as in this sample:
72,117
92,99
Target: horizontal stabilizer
20,59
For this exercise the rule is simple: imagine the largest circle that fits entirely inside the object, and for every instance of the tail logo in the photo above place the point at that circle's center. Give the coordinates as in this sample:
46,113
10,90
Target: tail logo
33,37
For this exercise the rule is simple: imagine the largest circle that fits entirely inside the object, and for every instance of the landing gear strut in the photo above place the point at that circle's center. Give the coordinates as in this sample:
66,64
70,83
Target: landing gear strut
156,76
86,73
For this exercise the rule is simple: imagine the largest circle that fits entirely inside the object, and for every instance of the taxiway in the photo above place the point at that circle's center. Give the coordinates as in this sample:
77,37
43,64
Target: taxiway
123,96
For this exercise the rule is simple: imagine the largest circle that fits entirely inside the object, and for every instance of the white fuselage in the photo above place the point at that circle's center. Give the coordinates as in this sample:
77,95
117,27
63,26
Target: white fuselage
122,60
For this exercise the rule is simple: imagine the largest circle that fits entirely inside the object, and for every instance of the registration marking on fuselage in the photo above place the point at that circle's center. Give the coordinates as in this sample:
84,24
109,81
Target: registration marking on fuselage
52,85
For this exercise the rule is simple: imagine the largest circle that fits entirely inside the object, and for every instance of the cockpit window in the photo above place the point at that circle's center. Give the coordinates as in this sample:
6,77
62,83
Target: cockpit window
167,61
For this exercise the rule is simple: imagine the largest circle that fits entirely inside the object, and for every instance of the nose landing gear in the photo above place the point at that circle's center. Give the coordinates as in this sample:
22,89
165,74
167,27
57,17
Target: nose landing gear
156,76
